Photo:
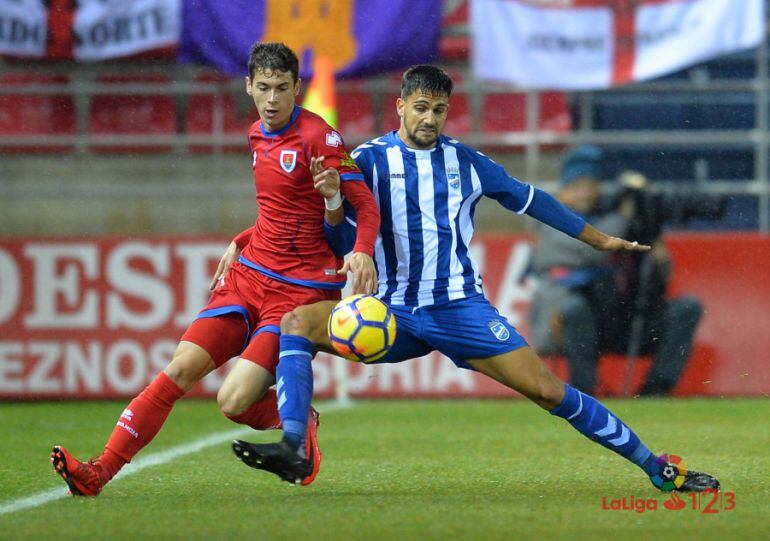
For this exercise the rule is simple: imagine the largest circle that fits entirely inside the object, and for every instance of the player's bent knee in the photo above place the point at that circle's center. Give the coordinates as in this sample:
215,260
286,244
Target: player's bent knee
549,391
232,403
189,365
295,322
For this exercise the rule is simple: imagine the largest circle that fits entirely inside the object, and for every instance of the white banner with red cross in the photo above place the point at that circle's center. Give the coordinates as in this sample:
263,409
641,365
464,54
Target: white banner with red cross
87,29
593,44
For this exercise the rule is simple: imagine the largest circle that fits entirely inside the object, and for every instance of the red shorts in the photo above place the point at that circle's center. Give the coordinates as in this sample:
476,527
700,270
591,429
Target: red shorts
243,316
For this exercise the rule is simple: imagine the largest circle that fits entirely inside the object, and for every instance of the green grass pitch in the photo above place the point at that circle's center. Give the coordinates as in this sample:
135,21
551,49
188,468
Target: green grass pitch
400,470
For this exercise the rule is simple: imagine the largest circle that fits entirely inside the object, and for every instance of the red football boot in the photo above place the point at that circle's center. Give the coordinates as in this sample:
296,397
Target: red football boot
82,478
312,449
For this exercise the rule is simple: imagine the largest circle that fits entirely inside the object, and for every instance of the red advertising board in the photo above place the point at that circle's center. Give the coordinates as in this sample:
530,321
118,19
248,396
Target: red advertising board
99,317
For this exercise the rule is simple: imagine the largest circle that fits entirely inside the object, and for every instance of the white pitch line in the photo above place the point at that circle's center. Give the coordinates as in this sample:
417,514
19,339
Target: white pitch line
155,459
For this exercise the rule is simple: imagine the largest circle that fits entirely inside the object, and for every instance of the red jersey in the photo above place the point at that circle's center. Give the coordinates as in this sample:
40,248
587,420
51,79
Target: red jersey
288,239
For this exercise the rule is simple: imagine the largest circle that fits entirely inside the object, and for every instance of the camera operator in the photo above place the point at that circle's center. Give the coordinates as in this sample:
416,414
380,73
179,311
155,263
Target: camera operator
588,303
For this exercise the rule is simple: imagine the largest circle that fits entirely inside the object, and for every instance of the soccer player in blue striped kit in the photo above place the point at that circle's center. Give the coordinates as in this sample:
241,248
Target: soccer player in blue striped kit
427,186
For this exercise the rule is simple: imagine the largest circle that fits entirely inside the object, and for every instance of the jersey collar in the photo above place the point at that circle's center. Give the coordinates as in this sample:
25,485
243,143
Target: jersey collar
294,114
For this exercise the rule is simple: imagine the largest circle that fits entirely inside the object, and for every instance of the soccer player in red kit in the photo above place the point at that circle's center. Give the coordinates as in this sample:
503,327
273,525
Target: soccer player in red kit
285,262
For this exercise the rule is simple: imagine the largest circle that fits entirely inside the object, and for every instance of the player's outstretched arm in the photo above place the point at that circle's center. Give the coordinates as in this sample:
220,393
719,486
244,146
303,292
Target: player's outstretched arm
606,243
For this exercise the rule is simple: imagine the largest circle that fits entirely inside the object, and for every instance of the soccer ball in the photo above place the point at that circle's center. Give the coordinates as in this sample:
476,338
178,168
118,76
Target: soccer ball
362,328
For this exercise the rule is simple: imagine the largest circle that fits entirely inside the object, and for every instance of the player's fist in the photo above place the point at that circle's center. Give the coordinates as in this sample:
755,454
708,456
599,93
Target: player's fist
364,273
326,181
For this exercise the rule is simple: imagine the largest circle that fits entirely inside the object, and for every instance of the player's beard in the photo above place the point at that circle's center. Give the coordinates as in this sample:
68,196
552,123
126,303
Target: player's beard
424,139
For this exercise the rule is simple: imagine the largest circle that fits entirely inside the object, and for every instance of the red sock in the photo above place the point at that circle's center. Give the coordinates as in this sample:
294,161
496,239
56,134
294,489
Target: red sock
140,422
261,415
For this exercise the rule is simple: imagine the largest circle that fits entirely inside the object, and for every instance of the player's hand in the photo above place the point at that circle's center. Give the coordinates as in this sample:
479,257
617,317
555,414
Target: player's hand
364,273
230,255
326,181
606,243
616,244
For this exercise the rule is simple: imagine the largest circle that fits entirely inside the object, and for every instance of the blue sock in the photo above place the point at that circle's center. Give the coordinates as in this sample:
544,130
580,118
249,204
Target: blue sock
594,421
295,388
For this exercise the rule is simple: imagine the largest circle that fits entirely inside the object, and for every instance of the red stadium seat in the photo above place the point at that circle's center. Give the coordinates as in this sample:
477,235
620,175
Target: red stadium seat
554,112
150,114
201,110
355,114
459,122
454,43
389,120
36,115
504,113
508,112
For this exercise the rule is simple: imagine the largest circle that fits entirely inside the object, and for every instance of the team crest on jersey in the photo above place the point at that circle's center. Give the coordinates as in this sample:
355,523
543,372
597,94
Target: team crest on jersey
454,180
499,330
333,139
288,160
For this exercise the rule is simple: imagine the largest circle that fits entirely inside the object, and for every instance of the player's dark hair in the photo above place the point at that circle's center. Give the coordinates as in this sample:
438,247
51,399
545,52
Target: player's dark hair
426,78
273,56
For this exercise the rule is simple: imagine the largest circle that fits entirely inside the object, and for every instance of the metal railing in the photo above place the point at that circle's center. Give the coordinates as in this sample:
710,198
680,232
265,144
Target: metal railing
83,86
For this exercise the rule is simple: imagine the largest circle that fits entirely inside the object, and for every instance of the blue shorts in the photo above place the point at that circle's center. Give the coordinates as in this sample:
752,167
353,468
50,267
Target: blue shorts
462,329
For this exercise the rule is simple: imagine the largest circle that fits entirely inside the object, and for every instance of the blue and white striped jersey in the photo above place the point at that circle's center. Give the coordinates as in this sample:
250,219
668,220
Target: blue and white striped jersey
427,200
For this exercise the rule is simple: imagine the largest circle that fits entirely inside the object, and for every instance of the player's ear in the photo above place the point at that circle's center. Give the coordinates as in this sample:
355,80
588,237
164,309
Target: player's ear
297,87
400,104
248,85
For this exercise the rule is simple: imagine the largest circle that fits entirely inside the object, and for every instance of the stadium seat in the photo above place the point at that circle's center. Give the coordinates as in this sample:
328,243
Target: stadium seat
506,112
199,118
459,122
36,115
148,114
642,111
355,114
455,43
680,163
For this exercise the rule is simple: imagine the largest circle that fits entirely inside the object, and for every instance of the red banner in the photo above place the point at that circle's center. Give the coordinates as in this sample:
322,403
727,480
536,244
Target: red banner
98,318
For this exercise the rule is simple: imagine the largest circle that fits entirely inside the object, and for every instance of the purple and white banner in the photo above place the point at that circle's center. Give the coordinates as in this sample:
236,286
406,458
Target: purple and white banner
359,36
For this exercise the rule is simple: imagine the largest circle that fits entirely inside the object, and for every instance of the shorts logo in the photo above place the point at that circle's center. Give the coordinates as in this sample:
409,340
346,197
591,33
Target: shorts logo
499,330
288,160
333,139
454,180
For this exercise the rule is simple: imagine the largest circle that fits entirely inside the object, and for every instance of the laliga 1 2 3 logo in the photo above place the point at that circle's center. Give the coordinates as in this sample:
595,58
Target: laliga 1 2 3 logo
672,473
670,478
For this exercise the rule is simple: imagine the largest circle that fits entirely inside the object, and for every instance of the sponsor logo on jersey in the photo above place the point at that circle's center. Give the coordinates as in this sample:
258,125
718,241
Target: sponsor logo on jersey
288,160
333,139
454,180
499,330
398,175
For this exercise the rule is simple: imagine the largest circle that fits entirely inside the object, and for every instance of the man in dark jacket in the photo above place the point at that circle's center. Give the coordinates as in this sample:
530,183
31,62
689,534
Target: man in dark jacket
586,300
